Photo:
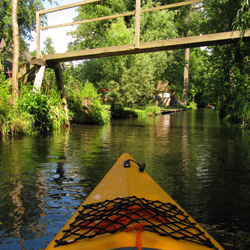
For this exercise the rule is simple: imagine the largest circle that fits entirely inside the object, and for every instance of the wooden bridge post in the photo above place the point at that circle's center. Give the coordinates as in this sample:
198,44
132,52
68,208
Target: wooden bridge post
39,78
59,78
137,23
38,49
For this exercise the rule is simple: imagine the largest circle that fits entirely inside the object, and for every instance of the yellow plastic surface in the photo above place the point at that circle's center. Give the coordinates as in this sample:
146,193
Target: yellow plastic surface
123,182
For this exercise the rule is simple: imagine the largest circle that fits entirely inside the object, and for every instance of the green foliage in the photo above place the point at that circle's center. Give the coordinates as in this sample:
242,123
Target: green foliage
128,112
21,122
136,86
220,76
93,35
226,84
26,21
48,48
152,110
242,20
5,105
5,94
132,79
199,90
37,105
238,106
57,113
95,111
34,111
11,118
84,103
49,81
118,34
192,105
157,25
220,15
245,116
46,108
174,70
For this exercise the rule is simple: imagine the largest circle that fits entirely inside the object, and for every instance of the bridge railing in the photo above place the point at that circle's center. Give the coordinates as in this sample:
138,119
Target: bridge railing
137,12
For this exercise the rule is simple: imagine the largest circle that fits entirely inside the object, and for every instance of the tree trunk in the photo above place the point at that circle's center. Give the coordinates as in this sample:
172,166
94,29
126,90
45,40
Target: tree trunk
186,76
187,59
15,61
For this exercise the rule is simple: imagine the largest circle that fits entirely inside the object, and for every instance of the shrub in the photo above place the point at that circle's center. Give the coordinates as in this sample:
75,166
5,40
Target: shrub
6,108
34,111
152,110
46,109
84,104
192,105
21,122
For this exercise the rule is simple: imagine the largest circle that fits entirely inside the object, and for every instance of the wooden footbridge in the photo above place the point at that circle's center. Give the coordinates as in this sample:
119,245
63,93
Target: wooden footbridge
53,60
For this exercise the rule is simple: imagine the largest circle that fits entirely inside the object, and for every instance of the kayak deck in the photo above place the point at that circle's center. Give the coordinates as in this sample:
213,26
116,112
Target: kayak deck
140,198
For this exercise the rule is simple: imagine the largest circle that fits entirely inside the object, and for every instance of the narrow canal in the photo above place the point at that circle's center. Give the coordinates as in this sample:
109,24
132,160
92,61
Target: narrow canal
202,163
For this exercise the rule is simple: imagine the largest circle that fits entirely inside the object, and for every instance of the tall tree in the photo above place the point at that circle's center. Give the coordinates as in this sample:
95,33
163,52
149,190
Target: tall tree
26,18
229,79
15,61
17,20
48,46
187,59
200,91
186,76
131,78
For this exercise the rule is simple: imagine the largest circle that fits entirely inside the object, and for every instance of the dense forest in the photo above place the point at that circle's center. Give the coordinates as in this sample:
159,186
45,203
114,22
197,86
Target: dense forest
218,75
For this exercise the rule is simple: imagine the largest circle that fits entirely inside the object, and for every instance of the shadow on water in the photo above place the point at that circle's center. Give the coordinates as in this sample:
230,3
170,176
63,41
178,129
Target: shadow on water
202,163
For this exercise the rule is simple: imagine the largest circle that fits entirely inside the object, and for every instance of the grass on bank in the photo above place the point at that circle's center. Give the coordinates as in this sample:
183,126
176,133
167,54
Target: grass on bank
34,112
84,105
128,112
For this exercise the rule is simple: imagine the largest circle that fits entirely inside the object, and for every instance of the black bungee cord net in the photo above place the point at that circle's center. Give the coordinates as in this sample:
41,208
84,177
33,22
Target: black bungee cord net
122,214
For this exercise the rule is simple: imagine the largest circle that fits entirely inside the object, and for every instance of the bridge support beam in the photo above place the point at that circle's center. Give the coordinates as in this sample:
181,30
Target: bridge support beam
39,79
58,67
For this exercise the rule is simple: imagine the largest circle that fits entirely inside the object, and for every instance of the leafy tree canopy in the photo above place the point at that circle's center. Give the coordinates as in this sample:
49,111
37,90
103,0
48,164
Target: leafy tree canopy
220,14
26,20
132,79
242,21
48,46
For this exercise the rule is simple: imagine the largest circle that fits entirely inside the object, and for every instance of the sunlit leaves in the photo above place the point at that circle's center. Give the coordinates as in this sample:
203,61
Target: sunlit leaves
26,19
118,34
48,46
242,21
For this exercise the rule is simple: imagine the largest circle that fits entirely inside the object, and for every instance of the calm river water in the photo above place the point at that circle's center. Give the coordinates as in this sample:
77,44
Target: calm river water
203,164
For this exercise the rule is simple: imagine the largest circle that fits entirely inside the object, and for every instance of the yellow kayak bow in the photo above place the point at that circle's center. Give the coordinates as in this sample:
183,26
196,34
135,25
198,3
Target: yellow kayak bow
129,210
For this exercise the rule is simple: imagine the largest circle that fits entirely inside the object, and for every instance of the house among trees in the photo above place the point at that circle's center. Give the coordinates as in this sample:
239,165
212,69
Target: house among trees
163,92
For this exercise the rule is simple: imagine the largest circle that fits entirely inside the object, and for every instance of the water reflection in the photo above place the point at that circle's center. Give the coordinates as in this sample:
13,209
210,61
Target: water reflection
203,164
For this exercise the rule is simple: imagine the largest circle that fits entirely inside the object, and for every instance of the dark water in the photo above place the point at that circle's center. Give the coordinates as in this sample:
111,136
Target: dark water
203,164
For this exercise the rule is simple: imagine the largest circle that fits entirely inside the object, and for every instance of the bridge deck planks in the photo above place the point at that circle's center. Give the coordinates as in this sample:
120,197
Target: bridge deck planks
171,44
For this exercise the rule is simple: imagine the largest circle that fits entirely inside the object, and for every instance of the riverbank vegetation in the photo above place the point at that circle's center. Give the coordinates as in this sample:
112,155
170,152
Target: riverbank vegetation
218,75
34,111
84,104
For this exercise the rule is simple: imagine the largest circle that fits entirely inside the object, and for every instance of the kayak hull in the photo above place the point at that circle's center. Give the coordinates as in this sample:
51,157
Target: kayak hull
122,182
